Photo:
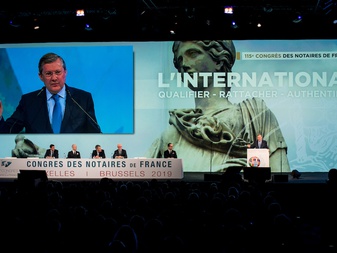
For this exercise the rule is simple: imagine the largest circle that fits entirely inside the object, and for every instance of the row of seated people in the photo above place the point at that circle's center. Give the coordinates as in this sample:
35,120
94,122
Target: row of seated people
25,148
97,153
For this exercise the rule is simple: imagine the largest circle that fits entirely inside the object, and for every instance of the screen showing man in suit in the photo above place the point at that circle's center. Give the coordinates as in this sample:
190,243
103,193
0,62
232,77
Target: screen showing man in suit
37,111
27,107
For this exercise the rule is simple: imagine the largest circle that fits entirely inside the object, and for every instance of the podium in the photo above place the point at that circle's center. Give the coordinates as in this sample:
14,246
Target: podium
257,157
257,169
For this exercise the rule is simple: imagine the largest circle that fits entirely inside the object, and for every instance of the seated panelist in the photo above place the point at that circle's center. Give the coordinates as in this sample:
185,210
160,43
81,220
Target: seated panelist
51,152
98,152
120,153
73,153
170,153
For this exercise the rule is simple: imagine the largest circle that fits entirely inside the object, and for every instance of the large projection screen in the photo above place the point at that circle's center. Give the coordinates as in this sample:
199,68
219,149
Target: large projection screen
137,91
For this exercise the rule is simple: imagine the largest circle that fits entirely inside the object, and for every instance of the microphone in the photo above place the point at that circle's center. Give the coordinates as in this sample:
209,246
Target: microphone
38,94
86,113
11,128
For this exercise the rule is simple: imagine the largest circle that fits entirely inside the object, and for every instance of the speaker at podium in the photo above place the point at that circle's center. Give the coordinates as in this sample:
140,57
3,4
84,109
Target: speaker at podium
258,169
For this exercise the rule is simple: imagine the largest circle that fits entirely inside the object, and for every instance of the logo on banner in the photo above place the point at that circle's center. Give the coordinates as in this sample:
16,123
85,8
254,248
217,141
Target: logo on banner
5,163
254,161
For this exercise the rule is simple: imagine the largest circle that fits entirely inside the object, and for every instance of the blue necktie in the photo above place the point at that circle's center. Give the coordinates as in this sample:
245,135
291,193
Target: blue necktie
57,114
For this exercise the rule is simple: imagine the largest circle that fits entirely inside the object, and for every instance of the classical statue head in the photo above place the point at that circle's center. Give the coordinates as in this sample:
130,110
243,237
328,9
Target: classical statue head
219,50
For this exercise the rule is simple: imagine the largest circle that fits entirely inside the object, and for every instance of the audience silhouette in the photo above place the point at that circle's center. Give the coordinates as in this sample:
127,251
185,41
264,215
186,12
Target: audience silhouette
166,216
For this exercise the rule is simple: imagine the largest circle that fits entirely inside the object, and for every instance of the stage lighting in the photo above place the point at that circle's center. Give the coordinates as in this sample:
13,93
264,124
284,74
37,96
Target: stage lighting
36,24
297,18
234,25
260,20
80,13
14,22
228,10
88,27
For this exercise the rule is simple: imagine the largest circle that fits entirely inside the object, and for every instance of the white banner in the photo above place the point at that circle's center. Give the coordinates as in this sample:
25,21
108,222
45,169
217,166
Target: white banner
95,168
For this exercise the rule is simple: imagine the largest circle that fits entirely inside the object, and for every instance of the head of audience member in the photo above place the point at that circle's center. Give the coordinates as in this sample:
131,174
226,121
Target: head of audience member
332,176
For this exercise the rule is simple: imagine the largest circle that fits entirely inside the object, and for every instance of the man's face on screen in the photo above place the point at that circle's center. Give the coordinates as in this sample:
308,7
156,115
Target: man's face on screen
53,76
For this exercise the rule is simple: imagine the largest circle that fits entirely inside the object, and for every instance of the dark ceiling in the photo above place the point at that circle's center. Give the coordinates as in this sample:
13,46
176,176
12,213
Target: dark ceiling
151,20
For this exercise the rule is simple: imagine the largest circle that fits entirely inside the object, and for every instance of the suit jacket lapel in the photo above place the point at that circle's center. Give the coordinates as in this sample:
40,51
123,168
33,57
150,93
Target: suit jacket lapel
41,112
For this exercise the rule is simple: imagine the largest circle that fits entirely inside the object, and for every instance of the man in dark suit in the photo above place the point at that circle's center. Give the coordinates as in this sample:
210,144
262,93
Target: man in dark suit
120,153
259,143
51,152
170,153
73,153
34,114
98,153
